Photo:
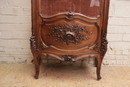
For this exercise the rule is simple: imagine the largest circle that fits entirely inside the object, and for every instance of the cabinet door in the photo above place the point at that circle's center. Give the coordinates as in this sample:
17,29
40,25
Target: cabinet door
85,7
68,26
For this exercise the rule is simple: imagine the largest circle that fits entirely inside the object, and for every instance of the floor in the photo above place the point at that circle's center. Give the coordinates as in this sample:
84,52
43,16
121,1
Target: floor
59,75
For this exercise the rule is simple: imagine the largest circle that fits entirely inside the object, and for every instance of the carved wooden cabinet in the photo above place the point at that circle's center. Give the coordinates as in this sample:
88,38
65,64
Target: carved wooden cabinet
69,30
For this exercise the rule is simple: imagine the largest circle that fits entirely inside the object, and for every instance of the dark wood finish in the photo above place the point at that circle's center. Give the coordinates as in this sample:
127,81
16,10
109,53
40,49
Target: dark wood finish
69,30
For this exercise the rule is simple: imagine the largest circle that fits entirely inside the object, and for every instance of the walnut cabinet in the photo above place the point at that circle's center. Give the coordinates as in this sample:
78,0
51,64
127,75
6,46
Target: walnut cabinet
69,30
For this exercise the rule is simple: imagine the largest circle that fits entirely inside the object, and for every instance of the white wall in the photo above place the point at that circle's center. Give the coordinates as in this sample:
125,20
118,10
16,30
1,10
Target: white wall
118,33
15,32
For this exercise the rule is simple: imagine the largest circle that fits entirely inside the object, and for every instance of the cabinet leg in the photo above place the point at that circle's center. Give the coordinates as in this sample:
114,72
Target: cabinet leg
96,62
98,73
98,69
37,68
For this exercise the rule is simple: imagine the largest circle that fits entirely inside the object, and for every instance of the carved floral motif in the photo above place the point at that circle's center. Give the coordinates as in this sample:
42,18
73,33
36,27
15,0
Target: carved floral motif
69,33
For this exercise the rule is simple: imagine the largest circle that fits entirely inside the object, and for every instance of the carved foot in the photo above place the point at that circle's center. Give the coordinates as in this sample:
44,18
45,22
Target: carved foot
37,69
98,64
36,76
98,74
99,77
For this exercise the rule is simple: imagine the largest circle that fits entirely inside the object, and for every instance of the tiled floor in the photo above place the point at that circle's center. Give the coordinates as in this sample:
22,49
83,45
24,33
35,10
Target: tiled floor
21,75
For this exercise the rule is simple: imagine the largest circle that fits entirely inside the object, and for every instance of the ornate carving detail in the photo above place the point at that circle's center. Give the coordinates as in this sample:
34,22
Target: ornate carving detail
94,47
104,45
70,14
33,41
68,58
43,45
69,34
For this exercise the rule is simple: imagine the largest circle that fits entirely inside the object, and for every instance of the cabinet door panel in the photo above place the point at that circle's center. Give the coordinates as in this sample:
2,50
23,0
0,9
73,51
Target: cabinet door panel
70,35
86,7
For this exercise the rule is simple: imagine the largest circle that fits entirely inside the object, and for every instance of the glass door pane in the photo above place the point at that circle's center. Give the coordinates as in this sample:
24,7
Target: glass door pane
86,7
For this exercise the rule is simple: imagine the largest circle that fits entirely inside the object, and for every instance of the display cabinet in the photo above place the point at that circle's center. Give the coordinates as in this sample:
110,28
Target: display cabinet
69,30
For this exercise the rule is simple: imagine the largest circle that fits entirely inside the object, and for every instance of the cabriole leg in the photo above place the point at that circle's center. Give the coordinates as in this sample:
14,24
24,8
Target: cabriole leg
99,62
37,67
